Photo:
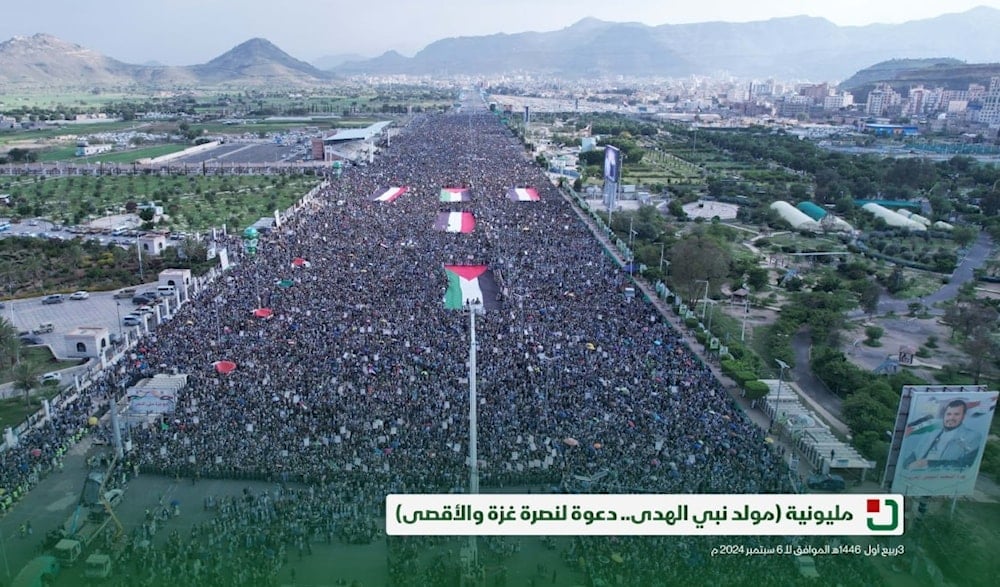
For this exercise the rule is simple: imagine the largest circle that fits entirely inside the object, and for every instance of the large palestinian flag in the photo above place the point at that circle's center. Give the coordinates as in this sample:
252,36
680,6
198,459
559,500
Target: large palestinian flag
455,222
523,194
470,283
389,194
456,195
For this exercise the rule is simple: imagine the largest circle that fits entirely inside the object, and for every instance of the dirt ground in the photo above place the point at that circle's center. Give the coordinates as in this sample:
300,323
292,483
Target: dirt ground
902,332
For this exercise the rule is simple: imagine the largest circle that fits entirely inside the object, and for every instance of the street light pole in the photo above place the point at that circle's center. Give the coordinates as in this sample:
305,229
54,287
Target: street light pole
473,426
704,299
777,397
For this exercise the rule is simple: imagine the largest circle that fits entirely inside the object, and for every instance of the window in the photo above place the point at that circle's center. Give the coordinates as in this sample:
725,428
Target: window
81,347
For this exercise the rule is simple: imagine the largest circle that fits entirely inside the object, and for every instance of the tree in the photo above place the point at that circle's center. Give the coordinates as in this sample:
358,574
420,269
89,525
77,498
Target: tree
966,318
25,378
757,278
10,346
983,350
865,413
869,296
873,334
697,258
964,235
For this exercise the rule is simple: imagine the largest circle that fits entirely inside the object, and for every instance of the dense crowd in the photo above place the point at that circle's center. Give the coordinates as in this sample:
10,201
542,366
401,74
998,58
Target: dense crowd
357,383
360,374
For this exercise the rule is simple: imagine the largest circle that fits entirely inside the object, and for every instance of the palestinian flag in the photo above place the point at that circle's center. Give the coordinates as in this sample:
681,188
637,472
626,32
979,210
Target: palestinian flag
455,222
389,194
449,195
470,283
523,194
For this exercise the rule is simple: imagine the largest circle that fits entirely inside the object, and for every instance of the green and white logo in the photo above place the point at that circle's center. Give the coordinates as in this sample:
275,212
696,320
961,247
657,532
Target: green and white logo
886,515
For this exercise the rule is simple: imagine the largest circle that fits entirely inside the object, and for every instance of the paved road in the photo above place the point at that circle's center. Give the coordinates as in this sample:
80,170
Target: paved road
974,259
806,380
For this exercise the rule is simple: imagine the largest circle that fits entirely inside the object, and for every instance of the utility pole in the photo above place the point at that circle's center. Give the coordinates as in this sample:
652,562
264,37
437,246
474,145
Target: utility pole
473,306
777,398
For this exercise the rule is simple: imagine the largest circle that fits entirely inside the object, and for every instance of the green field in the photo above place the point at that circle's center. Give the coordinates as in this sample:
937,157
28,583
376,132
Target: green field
191,202
68,154
134,154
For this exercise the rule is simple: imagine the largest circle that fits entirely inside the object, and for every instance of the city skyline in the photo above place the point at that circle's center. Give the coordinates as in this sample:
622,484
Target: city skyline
188,32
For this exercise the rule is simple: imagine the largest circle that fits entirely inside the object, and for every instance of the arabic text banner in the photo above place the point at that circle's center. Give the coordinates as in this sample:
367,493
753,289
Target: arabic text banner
676,515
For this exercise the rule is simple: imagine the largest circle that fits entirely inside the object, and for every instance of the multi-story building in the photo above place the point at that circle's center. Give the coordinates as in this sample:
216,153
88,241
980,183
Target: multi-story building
838,101
990,113
881,100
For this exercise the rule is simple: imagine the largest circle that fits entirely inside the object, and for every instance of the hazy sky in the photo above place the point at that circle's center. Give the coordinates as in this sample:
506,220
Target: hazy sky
186,32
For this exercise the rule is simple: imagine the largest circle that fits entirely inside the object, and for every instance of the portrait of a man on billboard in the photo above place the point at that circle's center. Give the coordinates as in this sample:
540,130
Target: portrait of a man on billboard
612,163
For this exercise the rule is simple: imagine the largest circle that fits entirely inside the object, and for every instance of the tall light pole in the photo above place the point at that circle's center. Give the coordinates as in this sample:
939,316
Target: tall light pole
777,397
118,313
704,298
473,306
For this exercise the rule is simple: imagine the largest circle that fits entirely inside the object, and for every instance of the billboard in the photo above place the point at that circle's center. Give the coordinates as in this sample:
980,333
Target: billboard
939,438
612,171
612,164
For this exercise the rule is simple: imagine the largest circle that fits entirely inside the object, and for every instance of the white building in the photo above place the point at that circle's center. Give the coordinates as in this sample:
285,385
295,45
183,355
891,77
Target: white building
86,341
990,114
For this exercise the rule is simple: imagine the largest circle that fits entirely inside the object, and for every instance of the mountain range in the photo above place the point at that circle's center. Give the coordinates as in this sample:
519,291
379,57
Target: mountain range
794,48
44,61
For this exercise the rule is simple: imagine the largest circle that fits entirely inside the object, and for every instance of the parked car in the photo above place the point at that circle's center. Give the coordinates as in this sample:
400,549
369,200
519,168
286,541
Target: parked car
53,299
132,320
826,482
44,328
30,340
51,376
79,295
143,299
125,294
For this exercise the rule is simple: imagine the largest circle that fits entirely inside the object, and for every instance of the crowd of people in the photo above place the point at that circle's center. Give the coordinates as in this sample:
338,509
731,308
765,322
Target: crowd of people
249,540
360,374
357,382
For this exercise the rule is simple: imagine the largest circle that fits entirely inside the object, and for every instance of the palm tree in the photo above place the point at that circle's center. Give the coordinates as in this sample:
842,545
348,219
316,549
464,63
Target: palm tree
10,345
25,378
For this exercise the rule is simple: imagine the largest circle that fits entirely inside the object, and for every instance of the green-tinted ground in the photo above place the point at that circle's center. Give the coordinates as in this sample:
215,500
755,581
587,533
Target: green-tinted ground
191,202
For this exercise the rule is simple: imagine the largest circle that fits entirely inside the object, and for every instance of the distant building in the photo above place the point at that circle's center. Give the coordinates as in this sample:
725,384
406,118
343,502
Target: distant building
84,149
838,101
893,130
881,100
152,244
990,114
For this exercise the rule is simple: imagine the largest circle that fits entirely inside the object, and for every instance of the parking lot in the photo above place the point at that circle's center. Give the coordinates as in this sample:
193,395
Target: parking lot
246,153
100,309
100,231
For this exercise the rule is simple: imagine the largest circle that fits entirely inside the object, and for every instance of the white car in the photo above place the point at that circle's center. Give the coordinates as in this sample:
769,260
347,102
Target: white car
79,295
52,376
132,320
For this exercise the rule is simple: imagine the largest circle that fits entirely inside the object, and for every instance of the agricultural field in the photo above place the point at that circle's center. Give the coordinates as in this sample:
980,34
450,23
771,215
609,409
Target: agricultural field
192,203
68,154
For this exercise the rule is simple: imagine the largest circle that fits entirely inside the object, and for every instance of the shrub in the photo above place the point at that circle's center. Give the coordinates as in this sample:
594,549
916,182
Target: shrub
756,389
